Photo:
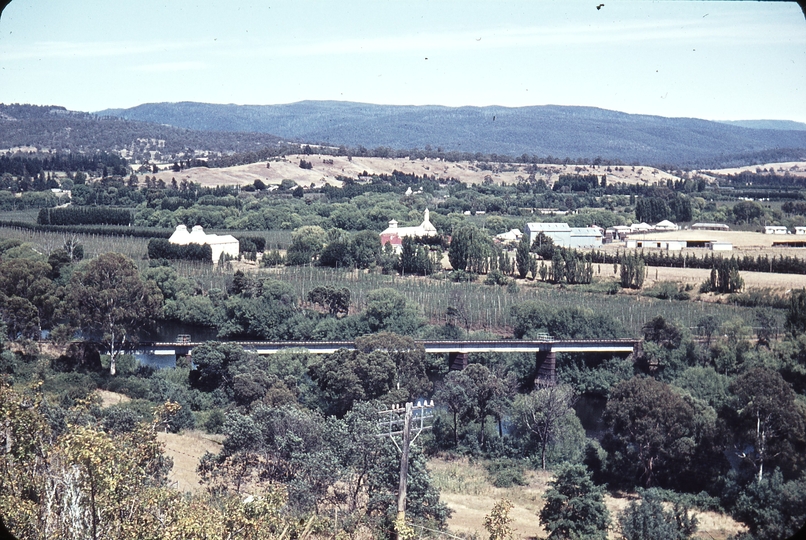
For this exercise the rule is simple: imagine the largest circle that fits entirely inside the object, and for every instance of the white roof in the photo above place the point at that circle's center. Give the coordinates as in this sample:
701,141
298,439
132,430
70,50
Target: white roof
586,231
512,234
546,227
181,236
426,228
665,224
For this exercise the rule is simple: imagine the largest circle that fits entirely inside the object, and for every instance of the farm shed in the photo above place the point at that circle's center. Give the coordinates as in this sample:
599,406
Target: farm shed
566,236
669,245
641,228
219,244
775,229
719,246
710,227
617,232
800,230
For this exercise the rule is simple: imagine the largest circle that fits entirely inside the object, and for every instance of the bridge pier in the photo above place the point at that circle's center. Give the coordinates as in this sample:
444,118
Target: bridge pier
546,372
457,360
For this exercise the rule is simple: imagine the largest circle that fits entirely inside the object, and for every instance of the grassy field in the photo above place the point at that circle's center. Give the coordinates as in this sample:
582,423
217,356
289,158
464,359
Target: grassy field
466,488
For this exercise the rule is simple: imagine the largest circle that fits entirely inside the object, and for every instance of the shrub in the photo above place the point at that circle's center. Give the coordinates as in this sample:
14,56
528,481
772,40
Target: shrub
506,473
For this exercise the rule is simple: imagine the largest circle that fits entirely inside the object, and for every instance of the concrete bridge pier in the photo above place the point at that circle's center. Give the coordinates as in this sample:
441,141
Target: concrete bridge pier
546,372
457,360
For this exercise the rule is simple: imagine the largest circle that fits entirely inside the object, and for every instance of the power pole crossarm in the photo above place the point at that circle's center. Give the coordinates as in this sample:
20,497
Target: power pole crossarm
414,418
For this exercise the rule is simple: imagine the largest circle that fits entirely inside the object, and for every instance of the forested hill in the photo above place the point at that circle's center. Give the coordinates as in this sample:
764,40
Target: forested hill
558,131
57,128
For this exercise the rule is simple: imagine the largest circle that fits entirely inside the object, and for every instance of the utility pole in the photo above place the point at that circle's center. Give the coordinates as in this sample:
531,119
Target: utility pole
403,421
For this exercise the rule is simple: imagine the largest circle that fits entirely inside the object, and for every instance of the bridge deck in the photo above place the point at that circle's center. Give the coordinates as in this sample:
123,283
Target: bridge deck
329,347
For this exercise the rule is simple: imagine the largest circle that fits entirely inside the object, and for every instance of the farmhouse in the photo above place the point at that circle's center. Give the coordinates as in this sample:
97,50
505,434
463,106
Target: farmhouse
218,243
800,230
394,235
774,229
566,236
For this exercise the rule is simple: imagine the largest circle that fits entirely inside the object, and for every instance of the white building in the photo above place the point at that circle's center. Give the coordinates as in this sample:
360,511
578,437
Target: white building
800,230
566,236
514,235
394,235
669,245
219,244
666,225
641,228
719,246
775,229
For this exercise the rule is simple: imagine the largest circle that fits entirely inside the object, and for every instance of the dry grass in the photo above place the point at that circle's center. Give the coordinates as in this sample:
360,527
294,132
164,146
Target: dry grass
465,171
466,489
186,449
111,398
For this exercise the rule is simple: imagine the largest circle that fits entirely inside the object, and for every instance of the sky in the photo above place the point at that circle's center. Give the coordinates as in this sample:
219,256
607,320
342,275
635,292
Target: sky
708,59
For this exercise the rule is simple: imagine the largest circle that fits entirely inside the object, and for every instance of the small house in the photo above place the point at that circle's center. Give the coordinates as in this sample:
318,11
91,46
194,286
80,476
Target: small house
666,225
775,229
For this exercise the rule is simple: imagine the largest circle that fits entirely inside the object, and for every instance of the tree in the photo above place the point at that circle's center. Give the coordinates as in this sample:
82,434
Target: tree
523,256
544,413
306,245
574,506
408,357
796,314
453,395
485,391
498,520
365,249
543,245
110,302
388,310
724,277
771,508
655,437
649,520
632,272
337,301
470,249
557,267
345,377
771,420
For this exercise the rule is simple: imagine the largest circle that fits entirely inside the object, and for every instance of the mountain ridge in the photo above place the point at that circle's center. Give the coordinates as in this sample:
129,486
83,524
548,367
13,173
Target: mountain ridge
545,130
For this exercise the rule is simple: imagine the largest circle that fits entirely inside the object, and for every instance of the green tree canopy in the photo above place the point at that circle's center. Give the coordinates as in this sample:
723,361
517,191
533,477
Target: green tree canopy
574,506
110,302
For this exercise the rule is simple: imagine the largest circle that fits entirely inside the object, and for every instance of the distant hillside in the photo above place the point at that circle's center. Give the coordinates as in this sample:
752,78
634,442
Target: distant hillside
57,128
767,124
545,130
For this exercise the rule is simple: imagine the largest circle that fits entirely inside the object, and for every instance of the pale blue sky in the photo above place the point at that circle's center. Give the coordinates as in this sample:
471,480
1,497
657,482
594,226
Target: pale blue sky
713,60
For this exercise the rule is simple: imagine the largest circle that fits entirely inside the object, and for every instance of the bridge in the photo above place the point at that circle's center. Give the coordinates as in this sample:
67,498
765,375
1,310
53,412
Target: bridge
545,350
